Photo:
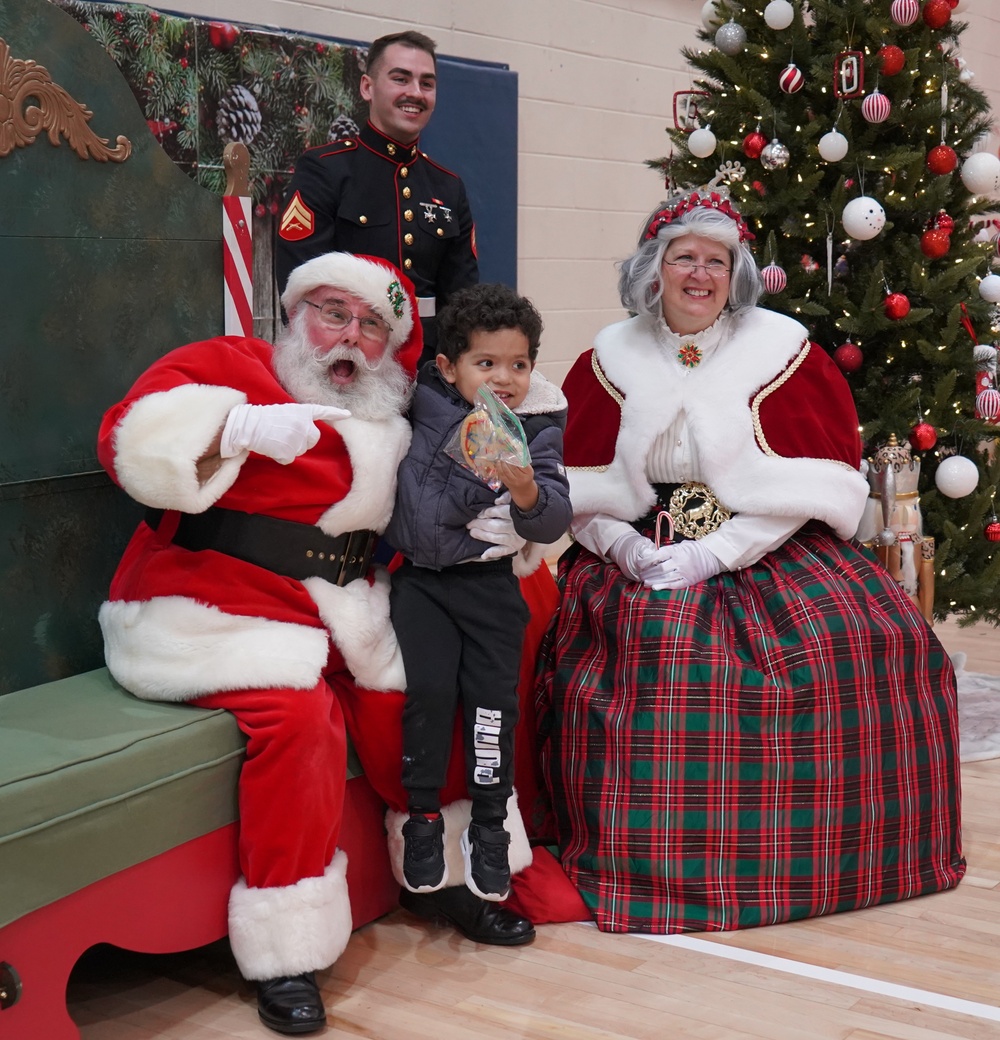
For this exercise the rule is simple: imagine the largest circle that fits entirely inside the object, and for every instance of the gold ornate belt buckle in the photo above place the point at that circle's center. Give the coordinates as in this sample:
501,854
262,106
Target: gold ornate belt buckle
696,511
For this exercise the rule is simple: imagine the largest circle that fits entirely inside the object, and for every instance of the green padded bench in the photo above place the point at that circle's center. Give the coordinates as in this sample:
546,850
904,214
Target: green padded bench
118,824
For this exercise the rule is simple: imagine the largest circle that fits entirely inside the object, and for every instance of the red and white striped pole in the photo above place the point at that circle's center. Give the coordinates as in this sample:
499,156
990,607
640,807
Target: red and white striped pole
237,243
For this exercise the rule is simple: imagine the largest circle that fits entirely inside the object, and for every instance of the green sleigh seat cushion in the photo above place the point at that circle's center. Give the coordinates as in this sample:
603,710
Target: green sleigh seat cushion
94,780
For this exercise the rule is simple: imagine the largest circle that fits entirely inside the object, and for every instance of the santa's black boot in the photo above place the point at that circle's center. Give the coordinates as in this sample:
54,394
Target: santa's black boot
475,918
291,1004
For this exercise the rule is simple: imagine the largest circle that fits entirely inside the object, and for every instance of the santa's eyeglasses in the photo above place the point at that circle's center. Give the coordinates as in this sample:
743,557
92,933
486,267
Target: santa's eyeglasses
336,317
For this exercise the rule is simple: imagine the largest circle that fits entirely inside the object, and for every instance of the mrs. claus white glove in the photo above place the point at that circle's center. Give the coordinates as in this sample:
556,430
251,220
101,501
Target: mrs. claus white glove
635,555
280,431
495,525
683,564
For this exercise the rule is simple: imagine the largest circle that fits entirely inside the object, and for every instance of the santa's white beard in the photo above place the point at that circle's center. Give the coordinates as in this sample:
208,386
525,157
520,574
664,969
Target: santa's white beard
379,389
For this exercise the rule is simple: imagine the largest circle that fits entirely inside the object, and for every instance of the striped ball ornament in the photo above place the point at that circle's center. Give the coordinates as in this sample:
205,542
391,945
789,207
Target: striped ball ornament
904,12
774,278
875,107
988,404
791,79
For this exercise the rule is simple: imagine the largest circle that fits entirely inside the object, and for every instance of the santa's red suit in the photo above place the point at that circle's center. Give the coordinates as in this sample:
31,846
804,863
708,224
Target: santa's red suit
280,653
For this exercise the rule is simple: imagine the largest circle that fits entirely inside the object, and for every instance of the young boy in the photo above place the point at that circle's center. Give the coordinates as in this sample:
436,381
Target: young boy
458,614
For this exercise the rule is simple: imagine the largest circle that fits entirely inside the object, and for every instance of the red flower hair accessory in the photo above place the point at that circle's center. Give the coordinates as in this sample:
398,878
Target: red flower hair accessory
710,200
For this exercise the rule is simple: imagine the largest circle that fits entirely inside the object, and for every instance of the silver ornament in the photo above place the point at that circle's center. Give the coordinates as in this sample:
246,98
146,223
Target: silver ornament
775,156
731,38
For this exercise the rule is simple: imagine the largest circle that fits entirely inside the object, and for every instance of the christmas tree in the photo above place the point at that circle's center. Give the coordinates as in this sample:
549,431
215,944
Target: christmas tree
857,126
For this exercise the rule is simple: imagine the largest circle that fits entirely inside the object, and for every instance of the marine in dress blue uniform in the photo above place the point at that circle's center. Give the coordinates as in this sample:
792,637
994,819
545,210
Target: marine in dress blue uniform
372,195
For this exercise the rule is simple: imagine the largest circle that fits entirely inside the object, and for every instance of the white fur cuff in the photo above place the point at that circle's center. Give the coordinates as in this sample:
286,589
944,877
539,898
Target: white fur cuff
288,931
357,615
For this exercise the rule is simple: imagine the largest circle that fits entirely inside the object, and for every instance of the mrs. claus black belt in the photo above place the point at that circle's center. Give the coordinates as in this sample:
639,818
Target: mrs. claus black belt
283,546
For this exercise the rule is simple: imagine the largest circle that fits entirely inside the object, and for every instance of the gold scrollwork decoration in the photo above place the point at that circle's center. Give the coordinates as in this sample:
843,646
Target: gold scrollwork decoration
54,112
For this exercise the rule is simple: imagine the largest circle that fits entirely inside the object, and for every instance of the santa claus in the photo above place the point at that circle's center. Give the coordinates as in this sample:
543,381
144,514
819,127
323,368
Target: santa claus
268,473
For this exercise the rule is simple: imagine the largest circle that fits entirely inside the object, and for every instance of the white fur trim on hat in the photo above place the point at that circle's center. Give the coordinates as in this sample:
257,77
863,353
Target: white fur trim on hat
377,284
293,929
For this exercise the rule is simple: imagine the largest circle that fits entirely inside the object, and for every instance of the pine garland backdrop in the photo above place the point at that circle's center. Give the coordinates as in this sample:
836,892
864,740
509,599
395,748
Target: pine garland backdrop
918,368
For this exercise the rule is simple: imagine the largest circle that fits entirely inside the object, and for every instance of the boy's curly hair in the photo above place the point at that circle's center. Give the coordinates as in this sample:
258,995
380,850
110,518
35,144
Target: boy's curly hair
488,307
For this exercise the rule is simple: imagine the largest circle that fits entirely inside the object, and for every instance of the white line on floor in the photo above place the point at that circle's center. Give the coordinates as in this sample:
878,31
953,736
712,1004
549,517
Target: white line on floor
837,978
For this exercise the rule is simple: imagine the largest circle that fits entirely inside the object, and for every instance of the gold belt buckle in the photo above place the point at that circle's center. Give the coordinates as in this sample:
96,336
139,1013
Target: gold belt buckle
696,511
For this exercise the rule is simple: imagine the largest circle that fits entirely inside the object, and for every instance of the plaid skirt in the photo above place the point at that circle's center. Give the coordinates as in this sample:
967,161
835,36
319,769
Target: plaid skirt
775,743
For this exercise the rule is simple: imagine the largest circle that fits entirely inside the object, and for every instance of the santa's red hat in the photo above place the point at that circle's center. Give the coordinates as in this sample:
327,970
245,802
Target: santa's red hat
376,281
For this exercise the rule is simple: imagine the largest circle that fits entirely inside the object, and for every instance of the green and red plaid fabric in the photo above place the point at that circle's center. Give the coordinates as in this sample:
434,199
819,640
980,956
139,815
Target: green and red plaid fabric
776,743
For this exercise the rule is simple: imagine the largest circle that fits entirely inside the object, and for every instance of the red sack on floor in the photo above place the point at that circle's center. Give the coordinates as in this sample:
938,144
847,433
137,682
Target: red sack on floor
544,894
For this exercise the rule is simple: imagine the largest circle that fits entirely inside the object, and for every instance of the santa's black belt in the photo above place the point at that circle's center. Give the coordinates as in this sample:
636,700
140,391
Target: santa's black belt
283,546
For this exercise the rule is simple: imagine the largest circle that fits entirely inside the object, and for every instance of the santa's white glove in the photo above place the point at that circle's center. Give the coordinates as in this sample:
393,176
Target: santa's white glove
635,555
684,564
280,431
495,525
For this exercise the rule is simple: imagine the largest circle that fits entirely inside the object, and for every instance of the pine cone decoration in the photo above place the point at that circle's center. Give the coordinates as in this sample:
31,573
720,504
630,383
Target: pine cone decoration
238,118
343,126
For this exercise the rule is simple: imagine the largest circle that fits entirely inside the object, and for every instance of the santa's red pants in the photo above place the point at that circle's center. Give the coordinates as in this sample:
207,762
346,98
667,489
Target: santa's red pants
292,785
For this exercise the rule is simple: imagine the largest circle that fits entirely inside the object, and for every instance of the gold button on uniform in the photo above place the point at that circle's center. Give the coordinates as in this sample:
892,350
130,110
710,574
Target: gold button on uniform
408,215
391,149
408,238
404,172
407,193
407,263
362,220
440,232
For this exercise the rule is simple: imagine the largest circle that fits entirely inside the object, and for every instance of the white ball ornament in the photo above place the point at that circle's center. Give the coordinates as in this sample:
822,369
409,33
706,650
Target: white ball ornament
981,173
957,477
989,288
779,14
731,38
863,218
701,143
833,146
710,18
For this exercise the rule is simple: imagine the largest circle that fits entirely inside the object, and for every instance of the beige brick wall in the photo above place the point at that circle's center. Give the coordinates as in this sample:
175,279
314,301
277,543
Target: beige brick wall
596,83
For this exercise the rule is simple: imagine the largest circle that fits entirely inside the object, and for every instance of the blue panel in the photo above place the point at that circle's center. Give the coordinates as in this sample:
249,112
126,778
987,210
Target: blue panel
474,132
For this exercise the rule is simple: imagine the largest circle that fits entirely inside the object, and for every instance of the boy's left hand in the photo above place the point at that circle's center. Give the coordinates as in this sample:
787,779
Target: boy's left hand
520,482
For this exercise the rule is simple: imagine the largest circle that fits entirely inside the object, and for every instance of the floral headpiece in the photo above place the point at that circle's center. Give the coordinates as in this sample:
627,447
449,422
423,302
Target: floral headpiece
711,196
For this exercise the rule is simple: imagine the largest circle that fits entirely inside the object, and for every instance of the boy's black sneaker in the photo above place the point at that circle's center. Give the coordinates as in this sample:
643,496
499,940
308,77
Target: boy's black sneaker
424,868
487,870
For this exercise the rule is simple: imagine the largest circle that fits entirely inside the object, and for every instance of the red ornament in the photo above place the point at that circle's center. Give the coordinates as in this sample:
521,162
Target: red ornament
944,222
848,357
937,13
897,306
892,59
753,144
941,159
222,35
791,79
934,243
923,436
992,529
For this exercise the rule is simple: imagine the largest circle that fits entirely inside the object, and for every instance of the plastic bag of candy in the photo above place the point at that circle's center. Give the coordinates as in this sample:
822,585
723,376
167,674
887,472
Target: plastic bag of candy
489,434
